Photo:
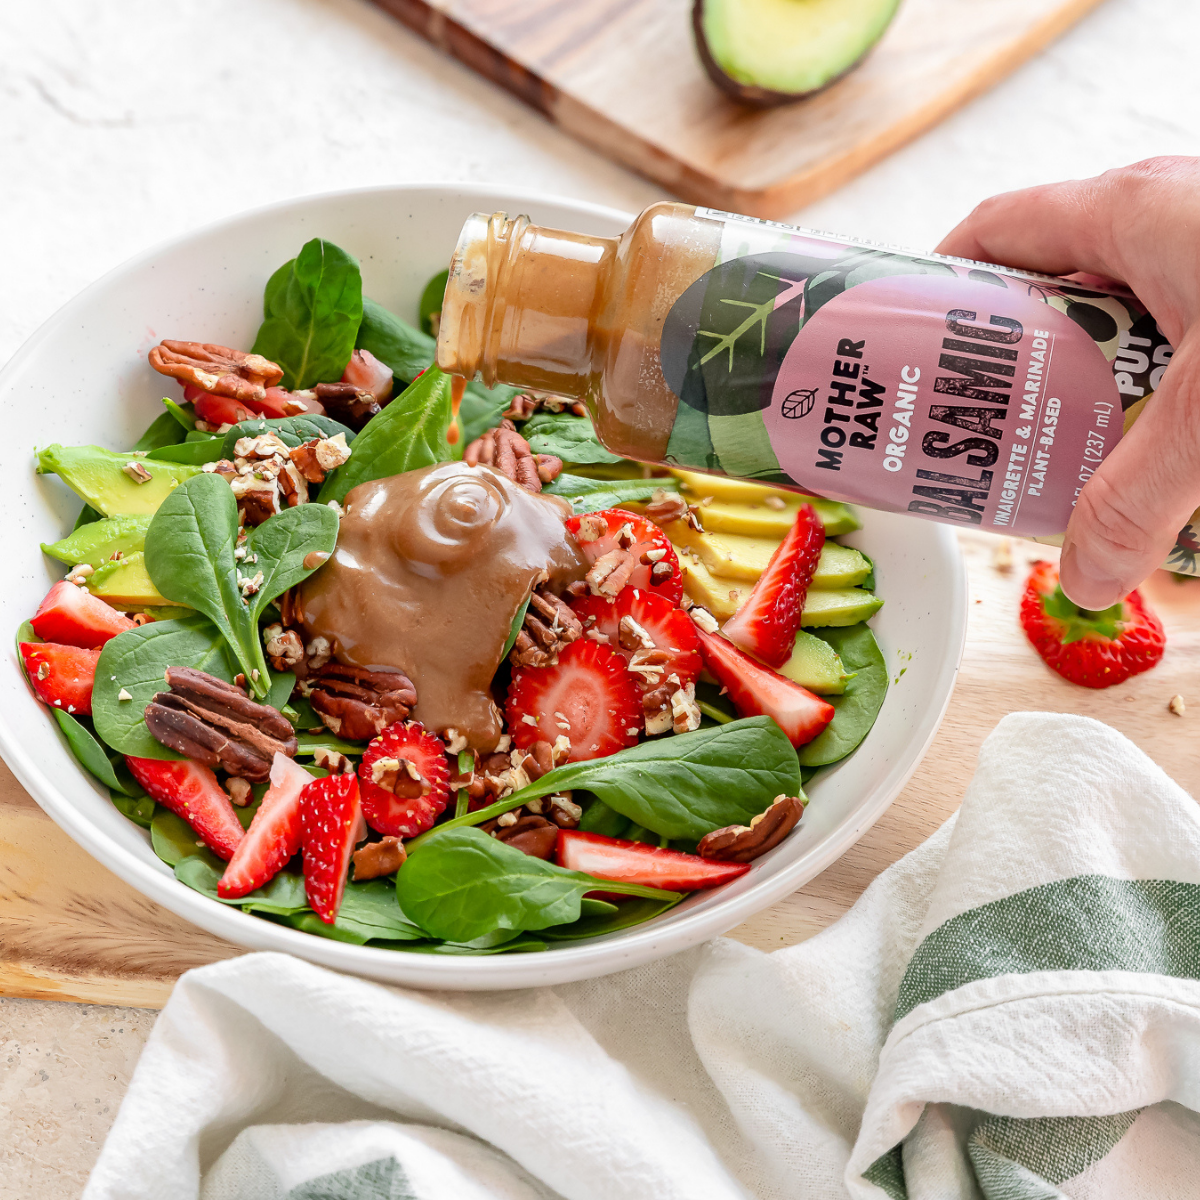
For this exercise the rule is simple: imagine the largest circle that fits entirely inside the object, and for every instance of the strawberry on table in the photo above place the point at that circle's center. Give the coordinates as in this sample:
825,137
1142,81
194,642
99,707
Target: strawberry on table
331,824
627,550
766,625
1093,649
588,697
74,617
191,791
274,834
635,862
404,780
756,690
62,676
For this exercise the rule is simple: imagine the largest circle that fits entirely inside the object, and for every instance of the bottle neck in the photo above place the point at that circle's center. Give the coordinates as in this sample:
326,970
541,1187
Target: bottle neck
522,304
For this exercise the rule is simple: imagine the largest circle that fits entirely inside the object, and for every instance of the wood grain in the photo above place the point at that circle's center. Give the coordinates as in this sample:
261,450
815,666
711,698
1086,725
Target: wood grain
624,76
71,930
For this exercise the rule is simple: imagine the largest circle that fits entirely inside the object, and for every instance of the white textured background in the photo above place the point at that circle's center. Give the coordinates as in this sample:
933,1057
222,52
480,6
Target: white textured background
126,122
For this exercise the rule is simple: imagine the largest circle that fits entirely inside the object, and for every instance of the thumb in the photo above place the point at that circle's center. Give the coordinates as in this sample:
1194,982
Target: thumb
1130,511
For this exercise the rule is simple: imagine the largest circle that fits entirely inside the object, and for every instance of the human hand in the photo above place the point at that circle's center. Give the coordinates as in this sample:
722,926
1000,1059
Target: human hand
1139,225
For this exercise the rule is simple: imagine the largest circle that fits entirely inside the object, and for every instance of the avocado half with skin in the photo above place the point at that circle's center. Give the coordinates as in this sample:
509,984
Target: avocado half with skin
765,52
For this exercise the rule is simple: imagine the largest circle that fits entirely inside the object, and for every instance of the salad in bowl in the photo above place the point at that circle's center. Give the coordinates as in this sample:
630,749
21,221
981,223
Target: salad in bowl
388,658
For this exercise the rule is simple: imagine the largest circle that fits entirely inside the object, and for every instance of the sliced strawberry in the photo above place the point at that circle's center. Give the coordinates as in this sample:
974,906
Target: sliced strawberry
279,402
766,625
330,822
639,554
75,617
587,696
1092,649
368,374
274,834
635,862
62,676
756,690
393,801
636,617
217,410
191,791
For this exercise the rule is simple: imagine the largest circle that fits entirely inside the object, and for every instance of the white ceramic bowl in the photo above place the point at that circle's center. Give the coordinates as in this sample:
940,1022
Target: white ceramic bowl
83,378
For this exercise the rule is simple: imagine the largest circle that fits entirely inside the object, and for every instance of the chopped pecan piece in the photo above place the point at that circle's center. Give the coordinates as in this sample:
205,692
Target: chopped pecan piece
742,843
353,406
357,703
506,451
216,723
217,369
611,572
137,472
549,625
665,507
384,857
284,648
531,835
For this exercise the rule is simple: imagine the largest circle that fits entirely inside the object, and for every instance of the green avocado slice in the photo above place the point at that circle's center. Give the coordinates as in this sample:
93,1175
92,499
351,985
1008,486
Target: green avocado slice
767,52
99,478
839,606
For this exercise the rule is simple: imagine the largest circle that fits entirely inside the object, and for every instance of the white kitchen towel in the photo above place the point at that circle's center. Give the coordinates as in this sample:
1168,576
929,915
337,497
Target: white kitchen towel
1010,1012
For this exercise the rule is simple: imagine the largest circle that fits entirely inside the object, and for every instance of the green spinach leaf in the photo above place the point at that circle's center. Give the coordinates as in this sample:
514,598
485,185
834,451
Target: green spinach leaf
599,818
195,451
290,430
139,809
136,661
164,431
394,342
174,840
858,706
409,433
482,409
283,896
569,437
184,414
88,752
592,495
514,629
431,302
629,912
281,689
312,308
679,787
464,884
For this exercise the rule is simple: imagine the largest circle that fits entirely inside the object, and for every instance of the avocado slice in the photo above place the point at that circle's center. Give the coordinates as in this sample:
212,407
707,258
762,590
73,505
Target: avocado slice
766,52
97,542
736,556
125,583
840,606
815,665
98,477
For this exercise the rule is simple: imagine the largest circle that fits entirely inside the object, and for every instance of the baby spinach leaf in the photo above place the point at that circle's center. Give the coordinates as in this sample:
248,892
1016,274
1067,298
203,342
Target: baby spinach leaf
282,896
431,301
482,408
858,706
679,787
394,342
139,809
173,840
569,437
522,944
136,661
514,629
599,818
278,548
290,430
184,414
281,689
164,431
464,884
312,308
88,752
409,433
592,495
195,451
87,514
629,912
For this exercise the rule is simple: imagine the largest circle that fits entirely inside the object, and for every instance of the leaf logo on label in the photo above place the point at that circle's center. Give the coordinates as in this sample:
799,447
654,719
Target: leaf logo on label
799,403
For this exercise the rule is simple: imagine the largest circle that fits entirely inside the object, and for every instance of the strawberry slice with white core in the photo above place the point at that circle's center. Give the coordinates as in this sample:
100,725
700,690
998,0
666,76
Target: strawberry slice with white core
274,834
588,697
404,779
74,617
191,791
636,625
766,625
635,862
331,823
626,550
62,676
755,690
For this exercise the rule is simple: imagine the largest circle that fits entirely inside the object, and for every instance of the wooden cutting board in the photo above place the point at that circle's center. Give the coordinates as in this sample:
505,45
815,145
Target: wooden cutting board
71,930
624,77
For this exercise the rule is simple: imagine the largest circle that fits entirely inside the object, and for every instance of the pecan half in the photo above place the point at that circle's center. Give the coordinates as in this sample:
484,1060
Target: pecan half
531,835
353,406
379,858
742,843
217,369
357,703
505,450
549,625
665,507
215,723
611,572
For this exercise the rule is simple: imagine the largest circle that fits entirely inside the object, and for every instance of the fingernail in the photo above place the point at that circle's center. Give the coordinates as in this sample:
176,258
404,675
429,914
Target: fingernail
1085,581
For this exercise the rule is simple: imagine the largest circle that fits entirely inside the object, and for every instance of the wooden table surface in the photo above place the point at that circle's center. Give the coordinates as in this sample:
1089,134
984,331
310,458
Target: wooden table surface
70,930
